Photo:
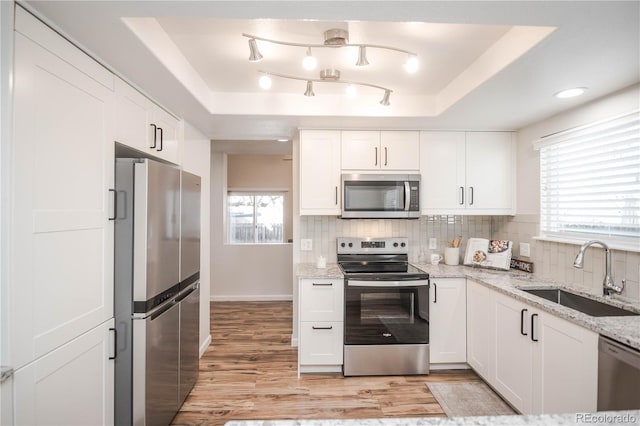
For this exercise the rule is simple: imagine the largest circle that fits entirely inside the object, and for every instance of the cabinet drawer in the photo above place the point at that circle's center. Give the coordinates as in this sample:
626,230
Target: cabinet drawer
321,342
321,300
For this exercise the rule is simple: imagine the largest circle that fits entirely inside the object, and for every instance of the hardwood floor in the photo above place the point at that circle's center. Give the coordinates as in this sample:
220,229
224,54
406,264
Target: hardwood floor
250,373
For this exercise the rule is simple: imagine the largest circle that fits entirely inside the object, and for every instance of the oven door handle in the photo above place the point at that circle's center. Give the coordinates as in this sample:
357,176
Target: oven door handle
390,283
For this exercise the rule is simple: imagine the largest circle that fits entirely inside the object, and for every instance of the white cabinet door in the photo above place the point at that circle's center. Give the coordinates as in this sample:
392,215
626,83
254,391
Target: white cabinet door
399,150
361,150
321,343
72,385
442,165
321,300
490,175
565,368
467,173
480,327
512,364
143,125
448,320
61,244
320,172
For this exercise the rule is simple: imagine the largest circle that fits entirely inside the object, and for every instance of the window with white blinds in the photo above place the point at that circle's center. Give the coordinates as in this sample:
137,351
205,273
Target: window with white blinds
590,181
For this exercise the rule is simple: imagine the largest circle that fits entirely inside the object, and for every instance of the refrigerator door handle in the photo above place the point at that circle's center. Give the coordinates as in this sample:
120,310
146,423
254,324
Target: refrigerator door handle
114,333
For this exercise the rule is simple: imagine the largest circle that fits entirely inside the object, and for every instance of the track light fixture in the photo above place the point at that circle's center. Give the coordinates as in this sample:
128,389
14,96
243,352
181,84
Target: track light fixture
333,38
329,75
254,53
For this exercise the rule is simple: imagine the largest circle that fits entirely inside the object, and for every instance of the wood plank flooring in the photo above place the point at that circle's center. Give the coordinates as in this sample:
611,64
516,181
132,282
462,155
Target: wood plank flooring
250,373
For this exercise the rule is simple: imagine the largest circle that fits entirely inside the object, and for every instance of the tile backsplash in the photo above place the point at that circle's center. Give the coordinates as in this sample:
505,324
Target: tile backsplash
553,261
324,230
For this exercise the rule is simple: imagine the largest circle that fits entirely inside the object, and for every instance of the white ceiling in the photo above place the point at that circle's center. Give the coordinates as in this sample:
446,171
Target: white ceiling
484,65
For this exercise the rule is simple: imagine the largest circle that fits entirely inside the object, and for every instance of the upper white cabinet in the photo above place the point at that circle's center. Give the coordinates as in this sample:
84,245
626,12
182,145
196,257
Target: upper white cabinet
320,172
467,173
143,125
538,362
380,150
61,240
447,320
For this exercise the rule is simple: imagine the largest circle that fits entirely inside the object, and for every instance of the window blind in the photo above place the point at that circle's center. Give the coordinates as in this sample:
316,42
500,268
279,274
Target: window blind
590,180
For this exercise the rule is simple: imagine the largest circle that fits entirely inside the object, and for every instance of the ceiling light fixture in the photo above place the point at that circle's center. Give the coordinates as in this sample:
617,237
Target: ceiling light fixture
570,93
352,90
329,75
334,38
254,53
265,82
309,62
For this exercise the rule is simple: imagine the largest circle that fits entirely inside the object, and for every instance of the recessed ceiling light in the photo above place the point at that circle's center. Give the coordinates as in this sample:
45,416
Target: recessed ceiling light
570,93
282,140
265,82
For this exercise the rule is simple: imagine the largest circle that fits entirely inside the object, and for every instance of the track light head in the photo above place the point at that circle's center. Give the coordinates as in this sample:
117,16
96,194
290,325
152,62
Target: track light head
362,56
385,98
254,53
309,91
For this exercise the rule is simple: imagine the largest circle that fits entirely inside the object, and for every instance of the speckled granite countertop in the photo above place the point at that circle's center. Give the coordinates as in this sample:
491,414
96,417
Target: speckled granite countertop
623,329
601,418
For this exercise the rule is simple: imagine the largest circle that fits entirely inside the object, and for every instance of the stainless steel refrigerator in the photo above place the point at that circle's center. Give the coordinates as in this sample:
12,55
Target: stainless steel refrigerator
189,297
150,294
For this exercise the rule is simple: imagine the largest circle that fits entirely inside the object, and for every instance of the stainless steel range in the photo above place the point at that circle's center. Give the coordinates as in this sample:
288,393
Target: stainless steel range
386,324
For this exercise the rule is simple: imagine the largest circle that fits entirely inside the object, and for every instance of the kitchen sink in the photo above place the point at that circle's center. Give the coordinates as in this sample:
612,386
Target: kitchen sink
580,303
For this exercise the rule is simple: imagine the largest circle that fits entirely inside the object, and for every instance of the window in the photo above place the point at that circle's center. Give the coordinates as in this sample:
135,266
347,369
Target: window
590,181
255,218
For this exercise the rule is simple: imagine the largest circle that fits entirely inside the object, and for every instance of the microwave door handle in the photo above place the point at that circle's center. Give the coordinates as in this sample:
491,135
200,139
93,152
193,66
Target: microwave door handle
407,196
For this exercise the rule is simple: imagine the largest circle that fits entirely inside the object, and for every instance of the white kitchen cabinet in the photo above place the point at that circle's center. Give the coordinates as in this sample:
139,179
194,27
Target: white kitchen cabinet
447,321
467,173
72,385
565,368
143,125
480,329
539,363
61,240
380,150
320,192
321,311
512,374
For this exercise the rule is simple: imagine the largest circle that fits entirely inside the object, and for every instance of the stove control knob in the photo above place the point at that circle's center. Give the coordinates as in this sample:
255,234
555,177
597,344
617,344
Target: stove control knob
402,245
342,244
395,244
350,244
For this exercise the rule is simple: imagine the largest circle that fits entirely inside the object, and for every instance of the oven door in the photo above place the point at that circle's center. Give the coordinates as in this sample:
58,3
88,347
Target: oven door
386,312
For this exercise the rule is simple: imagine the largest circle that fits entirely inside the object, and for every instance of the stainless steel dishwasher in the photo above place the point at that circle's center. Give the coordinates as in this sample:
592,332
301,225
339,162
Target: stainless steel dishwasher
618,376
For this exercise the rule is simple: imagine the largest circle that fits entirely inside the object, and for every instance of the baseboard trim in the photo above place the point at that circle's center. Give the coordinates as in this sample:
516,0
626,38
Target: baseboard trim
205,345
253,298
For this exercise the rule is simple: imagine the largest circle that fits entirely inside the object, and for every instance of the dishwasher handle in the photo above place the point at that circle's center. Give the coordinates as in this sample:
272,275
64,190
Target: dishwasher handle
619,351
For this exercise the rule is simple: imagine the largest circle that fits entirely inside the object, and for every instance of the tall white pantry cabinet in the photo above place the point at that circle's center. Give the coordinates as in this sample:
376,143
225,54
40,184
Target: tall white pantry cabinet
61,235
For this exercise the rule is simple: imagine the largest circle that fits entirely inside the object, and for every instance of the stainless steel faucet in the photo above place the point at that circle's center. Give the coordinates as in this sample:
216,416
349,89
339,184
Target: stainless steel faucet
608,286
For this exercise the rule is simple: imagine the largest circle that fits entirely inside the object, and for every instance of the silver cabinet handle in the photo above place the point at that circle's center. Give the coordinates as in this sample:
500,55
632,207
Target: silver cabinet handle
435,293
322,328
161,139
376,163
471,197
385,156
115,204
461,195
533,316
322,284
336,195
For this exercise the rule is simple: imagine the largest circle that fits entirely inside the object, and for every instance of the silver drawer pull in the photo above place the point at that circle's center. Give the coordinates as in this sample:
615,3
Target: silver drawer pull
322,328
323,284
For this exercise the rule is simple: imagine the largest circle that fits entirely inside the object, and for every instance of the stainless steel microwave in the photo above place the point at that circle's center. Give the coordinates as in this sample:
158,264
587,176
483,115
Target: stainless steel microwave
380,196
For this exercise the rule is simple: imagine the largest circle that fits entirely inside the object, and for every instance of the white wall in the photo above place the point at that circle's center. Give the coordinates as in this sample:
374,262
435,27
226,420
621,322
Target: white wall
195,159
249,271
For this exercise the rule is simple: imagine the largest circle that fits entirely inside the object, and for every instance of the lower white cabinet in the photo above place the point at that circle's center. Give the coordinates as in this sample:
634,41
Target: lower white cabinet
72,385
447,321
539,363
321,327
480,330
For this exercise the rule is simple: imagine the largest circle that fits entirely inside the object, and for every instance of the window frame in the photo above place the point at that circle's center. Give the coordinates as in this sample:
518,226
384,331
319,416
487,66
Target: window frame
254,194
